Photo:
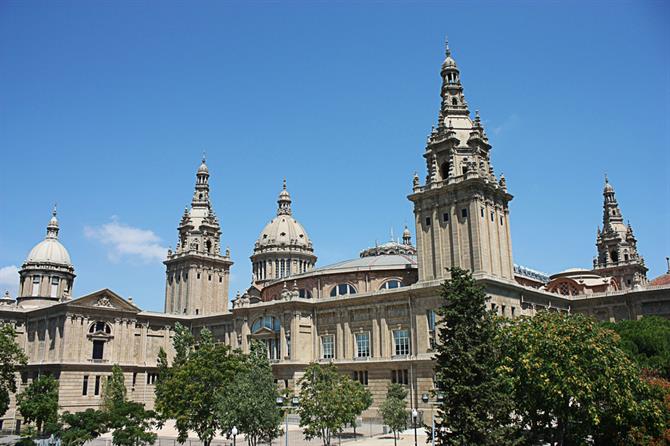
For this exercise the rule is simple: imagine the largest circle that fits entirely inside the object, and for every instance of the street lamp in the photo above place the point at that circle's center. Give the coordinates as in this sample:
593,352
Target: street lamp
283,404
233,432
414,415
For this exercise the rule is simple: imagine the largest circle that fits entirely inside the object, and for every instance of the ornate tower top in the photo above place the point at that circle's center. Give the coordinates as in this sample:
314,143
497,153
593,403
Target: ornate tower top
52,227
617,246
284,201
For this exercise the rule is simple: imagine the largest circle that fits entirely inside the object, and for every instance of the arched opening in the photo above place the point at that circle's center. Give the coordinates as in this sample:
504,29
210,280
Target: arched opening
208,244
444,170
454,101
615,256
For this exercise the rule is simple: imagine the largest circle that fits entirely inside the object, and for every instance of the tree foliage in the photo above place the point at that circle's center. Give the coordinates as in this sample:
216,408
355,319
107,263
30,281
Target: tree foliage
80,427
39,402
329,401
647,342
11,358
131,423
190,390
252,407
476,407
572,381
394,409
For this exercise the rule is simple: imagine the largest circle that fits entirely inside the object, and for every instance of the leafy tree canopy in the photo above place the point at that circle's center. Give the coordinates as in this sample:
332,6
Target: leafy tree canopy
572,381
476,406
114,392
394,409
252,407
329,401
647,342
11,358
80,427
191,389
39,402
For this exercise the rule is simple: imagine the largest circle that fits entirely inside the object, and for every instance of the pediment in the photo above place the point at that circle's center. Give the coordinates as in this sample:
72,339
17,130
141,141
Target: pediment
104,299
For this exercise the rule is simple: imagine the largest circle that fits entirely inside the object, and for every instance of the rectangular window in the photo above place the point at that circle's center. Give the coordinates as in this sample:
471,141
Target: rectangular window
84,389
98,349
54,286
400,376
288,344
430,316
482,212
24,378
328,346
361,376
97,385
134,378
512,310
501,221
464,213
151,378
427,221
36,285
401,342
502,310
492,216
362,345
445,217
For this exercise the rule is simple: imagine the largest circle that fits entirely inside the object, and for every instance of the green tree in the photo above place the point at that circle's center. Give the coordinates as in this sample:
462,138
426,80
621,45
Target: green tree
647,342
80,427
11,358
476,407
251,406
329,401
131,424
191,389
114,391
39,402
571,381
394,410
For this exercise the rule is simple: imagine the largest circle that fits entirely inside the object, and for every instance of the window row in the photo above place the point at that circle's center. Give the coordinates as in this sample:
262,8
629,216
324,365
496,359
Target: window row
343,289
464,214
54,282
362,349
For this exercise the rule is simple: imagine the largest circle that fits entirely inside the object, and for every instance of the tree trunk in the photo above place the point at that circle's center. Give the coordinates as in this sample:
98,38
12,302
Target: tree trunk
395,440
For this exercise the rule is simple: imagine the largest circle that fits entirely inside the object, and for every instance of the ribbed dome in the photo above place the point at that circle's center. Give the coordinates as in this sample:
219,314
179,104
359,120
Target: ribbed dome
284,230
49,250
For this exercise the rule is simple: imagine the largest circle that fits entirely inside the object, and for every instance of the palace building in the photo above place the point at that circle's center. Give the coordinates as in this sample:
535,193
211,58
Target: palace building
372,316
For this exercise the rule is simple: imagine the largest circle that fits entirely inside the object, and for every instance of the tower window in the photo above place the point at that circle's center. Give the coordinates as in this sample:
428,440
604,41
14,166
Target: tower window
501,220
54,286
444,170
492,216
427,221
36,285
454,101
445,217
482,212
464,213
465,170
198,275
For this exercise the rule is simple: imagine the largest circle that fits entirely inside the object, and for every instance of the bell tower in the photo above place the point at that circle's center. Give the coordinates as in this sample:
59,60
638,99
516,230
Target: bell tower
461,212
197,274
617,246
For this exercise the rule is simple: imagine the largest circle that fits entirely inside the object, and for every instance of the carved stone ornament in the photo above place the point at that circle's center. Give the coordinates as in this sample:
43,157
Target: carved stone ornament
103,302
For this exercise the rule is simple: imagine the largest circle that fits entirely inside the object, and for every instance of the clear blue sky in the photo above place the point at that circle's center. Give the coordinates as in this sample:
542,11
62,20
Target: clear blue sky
106,107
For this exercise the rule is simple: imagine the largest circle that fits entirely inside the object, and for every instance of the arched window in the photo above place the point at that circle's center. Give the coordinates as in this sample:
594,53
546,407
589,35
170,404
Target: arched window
342,289
304,293
100,327
208,244
454,101
265,322
391,284
615,256
444,170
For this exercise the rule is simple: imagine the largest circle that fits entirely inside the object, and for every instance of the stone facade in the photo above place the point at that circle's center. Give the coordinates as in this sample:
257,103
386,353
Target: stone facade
372,316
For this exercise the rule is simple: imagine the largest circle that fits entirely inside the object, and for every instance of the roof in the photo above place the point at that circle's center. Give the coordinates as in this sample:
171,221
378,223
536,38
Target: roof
49,250
661,280
392,261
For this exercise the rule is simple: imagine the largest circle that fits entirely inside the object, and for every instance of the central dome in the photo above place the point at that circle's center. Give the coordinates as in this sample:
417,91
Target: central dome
50,250
283,247
284,230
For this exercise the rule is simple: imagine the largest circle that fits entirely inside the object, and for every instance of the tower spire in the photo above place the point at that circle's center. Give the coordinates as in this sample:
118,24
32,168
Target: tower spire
52,227
284,201
453,100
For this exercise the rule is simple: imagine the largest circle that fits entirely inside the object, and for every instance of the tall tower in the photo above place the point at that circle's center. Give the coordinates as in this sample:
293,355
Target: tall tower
47,275
283,248
617,246
197,274
462,214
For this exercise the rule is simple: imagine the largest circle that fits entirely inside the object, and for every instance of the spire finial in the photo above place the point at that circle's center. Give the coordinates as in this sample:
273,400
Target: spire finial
667,260
606,180
284,186
204,156
446,46
54,211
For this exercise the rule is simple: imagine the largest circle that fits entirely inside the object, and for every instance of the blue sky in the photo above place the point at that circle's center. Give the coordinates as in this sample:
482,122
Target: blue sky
106,107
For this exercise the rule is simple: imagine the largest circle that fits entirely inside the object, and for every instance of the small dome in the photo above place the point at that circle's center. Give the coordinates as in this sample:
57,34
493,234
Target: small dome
284,230
203,167
49,250
449,62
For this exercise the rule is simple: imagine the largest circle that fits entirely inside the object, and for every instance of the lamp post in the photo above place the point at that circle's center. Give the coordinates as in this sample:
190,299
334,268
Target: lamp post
426,398
233,432
414,415
295,402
